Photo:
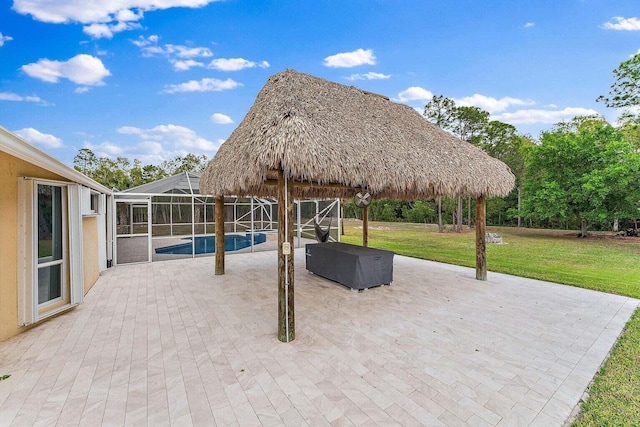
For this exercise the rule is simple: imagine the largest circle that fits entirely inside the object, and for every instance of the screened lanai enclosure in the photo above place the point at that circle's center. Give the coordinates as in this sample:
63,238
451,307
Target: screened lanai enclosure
169,219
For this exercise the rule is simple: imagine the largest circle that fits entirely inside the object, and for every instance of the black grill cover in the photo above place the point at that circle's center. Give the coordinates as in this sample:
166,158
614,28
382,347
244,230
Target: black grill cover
354,266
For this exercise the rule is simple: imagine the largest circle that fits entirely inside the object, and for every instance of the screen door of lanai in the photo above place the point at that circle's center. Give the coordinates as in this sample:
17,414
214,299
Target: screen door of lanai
133,231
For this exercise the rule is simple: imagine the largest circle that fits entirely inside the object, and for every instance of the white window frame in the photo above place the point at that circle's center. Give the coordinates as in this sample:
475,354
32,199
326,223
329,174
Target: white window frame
72,263
94,203
64,261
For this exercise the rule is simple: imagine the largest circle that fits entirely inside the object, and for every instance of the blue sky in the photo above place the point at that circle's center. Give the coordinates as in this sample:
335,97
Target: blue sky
152,79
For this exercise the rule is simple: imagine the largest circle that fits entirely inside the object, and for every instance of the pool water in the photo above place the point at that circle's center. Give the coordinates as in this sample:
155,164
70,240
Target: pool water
207,244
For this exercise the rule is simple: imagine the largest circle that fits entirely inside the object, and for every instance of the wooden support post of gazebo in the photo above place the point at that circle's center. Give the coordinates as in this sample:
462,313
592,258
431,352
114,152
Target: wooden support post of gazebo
365,226
481,246
286,313
219,209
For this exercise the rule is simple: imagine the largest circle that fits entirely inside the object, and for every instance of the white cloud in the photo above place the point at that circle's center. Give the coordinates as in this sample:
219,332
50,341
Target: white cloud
107,149
149,48
149,51
529,24
112,16
142,41
103,19
415,93
34,136
151,148
221,119
167,141
186,64
81,69
148,152
8,96
126,15
235,64
129,130
368,76
180,56
98,31
350,59
155,145
192,52
4,39
491,104
203,85
543,116
622,24
635,109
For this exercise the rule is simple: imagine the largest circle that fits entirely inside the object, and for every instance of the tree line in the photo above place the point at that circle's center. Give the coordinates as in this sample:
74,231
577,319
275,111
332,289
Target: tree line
581,174
121,173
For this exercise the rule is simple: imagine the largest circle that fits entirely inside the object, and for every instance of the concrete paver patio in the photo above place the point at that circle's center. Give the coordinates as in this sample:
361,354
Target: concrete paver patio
169,343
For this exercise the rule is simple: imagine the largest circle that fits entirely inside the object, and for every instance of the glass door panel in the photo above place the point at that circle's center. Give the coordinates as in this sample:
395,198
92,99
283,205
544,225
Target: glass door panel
50,234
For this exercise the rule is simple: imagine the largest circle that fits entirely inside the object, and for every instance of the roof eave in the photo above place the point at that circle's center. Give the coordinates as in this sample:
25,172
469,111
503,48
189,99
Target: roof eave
12,144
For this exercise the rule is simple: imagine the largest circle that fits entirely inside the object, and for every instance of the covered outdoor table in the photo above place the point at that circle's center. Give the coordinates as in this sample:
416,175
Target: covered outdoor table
353,266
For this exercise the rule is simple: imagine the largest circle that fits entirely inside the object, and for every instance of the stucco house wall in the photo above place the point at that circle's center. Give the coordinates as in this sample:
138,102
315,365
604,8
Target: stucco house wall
87,258
90,249
11,168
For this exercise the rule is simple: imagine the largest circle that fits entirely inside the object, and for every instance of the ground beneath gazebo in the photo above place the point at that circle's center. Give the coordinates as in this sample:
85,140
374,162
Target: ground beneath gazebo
171,343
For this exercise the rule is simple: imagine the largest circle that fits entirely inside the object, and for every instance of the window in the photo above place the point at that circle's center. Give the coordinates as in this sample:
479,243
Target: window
51,243
50,249
91,201
95,203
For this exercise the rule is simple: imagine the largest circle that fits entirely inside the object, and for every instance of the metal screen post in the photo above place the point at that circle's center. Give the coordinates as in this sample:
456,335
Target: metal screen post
193,228
299,204
339,219
235,215
252,226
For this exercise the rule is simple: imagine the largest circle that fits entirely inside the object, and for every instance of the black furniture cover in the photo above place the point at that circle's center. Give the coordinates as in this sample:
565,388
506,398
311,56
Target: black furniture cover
356,267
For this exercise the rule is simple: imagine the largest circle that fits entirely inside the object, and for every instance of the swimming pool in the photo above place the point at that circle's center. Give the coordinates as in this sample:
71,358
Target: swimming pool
207,244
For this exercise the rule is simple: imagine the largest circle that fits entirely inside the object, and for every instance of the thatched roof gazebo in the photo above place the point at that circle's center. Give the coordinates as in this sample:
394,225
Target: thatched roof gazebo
308,137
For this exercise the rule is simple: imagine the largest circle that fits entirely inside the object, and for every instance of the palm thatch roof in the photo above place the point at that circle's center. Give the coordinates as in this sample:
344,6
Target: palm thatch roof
337,140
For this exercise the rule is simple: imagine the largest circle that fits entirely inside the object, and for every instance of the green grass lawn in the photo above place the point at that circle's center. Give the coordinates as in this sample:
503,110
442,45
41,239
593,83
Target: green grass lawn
601,262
